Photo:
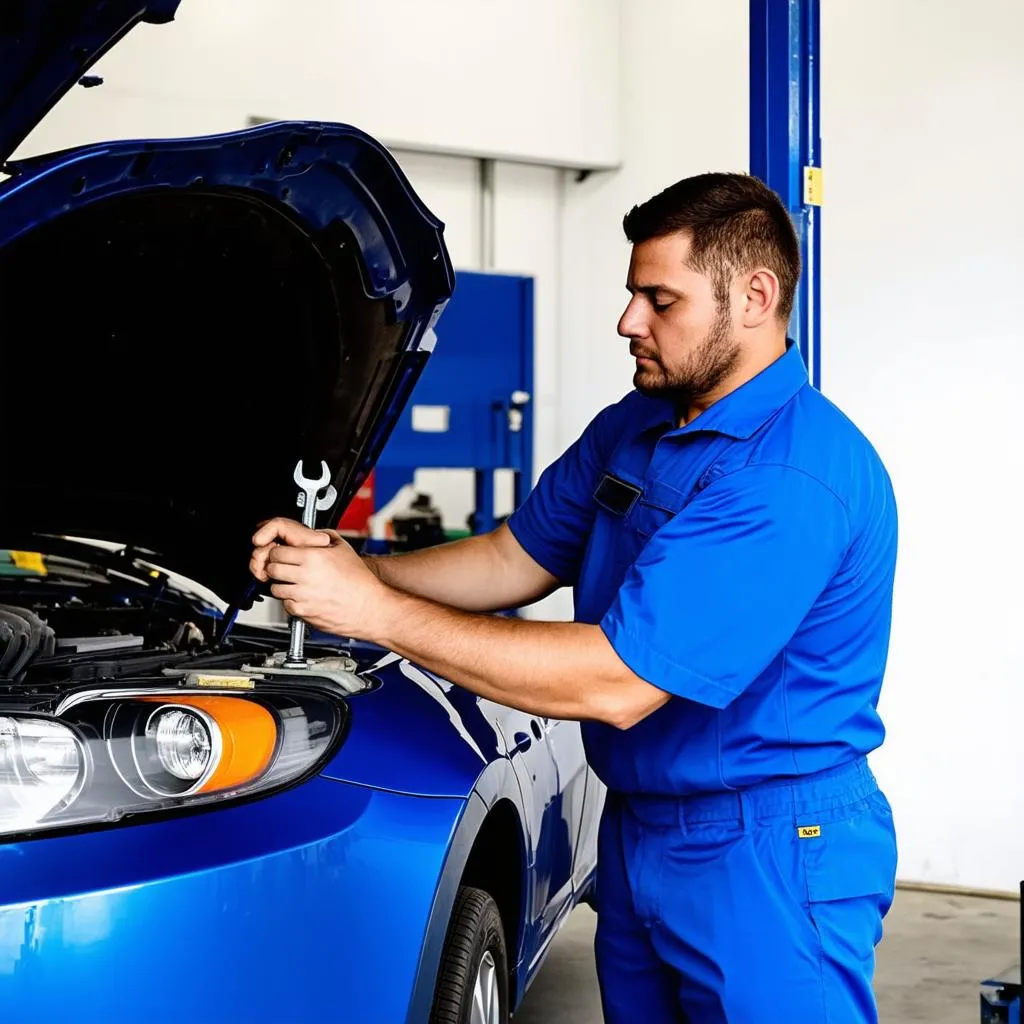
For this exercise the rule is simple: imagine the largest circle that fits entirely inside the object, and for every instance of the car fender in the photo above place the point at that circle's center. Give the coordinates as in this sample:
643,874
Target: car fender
417,734
497,783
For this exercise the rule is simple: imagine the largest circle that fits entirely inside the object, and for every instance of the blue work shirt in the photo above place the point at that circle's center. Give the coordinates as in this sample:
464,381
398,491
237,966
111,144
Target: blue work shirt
744,563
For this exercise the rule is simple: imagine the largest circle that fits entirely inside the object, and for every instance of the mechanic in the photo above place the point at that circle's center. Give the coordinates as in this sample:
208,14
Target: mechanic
730,537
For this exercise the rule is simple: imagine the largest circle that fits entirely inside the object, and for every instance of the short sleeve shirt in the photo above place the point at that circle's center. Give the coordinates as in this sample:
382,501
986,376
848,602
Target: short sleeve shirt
743,563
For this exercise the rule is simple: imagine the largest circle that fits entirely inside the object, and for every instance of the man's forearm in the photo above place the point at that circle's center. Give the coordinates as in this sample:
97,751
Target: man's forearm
487,573
460,573
554,669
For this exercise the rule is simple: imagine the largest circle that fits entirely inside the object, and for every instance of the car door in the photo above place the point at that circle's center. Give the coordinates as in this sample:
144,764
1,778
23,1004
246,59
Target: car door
547,758
565,747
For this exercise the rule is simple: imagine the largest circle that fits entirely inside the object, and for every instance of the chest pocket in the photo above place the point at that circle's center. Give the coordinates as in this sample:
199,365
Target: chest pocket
635,498
665,494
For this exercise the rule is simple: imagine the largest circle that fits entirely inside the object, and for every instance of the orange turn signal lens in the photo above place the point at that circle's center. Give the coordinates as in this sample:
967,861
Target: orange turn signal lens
248,738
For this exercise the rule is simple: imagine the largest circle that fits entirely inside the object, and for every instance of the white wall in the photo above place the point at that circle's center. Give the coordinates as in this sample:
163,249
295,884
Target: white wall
683,110
528,240
533,79
924,346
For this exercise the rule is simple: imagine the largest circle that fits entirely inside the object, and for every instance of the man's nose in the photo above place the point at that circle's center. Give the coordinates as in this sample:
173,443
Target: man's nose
632,323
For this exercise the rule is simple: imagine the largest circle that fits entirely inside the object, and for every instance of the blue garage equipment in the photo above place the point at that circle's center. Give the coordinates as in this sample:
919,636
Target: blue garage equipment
1001,995
785,142
472,407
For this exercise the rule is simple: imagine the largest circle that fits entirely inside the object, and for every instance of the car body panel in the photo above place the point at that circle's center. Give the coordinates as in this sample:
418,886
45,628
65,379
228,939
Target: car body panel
302,906
417,733
276,888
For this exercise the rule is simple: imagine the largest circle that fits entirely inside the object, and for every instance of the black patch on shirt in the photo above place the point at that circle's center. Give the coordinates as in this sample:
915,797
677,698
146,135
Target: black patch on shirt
616,495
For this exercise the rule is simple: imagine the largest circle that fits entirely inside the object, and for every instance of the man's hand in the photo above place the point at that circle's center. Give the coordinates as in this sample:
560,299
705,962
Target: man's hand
282,531
318,577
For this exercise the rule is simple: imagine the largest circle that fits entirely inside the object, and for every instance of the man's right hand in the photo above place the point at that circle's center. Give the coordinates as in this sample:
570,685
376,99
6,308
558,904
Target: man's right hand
284,531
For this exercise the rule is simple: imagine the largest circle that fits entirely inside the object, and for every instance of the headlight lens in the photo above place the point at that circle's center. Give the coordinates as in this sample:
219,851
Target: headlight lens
41,765
182,742
109,757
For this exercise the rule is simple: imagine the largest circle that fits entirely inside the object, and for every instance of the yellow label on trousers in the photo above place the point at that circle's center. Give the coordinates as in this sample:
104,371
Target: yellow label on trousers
809,831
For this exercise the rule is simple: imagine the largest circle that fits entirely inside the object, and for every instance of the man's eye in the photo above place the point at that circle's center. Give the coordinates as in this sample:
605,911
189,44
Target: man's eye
660,307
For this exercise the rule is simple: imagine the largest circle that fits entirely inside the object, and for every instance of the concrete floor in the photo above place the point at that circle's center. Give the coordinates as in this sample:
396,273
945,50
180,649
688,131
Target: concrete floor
935,952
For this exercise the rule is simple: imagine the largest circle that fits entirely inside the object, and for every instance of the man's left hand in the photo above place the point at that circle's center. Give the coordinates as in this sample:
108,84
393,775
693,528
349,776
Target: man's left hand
329,587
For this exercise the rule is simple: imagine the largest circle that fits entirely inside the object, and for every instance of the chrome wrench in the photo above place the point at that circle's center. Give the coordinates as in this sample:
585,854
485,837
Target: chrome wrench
310,504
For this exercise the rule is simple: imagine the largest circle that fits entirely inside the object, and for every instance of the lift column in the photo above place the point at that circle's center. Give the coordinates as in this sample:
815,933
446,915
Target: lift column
785,143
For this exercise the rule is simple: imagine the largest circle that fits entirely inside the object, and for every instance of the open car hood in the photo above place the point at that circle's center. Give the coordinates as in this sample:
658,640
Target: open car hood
182,320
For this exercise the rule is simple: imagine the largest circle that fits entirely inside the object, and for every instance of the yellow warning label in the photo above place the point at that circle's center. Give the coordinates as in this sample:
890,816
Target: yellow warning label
225,682
30,561
809,831
813,186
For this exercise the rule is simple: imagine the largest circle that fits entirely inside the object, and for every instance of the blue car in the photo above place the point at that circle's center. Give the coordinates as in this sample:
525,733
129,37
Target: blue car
194,825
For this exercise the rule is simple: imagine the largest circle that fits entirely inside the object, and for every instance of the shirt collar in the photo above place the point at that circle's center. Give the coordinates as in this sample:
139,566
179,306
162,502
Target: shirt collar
743,411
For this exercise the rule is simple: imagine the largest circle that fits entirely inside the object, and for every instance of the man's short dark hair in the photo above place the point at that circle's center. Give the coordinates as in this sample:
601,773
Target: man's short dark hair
736,224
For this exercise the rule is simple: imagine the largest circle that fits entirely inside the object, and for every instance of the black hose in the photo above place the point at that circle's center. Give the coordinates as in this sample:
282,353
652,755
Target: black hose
8,651
29,636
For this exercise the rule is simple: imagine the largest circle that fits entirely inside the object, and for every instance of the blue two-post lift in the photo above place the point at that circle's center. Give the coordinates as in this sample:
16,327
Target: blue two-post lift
785,142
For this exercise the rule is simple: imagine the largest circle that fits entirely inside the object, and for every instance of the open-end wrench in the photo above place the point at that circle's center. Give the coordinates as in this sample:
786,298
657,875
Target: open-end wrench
310,504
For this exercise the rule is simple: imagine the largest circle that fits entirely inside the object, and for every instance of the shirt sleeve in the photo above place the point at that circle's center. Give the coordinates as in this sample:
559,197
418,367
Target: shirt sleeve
719,591
553,524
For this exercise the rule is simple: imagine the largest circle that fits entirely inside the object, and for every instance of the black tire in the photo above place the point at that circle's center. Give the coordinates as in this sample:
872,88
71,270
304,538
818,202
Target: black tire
474,930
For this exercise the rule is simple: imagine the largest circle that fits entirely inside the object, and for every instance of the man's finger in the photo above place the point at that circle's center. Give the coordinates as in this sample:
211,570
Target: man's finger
258,559
284,592
288,531
258,563
286,555
284,572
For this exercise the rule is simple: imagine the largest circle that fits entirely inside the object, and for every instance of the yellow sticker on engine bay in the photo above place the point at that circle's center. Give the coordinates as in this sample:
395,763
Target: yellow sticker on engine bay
225,682
28,561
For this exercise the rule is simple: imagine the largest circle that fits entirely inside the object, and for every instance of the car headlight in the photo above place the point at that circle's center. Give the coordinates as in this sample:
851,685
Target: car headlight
108,757
41,765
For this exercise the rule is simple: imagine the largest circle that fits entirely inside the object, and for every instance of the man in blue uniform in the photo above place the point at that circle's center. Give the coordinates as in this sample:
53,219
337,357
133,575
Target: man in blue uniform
730,538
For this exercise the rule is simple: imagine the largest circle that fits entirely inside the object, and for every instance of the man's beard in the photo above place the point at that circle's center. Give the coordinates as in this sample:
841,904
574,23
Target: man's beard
699,373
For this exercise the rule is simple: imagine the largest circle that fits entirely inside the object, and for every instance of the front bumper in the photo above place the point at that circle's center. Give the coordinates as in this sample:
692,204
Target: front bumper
311,905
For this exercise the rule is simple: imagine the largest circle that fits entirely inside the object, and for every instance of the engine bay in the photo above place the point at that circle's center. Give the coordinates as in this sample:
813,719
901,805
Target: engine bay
66,622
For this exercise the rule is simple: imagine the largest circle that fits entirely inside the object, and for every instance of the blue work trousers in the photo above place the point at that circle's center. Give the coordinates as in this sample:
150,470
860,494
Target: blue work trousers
752,907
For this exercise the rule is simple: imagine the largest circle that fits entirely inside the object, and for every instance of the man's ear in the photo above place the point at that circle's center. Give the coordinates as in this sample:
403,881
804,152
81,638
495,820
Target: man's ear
760,298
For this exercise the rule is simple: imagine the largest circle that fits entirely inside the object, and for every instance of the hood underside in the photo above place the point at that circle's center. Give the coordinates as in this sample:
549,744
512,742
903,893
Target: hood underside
48,45
179,323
